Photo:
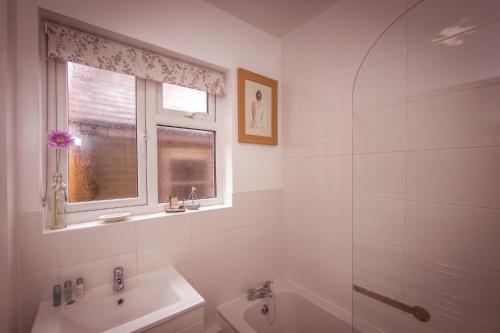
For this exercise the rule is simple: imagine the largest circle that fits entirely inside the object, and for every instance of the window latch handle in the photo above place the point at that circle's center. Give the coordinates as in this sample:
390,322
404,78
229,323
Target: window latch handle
191,115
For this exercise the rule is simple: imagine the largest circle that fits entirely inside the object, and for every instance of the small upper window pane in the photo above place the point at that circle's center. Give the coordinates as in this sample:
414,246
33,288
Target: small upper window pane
184,99
102,116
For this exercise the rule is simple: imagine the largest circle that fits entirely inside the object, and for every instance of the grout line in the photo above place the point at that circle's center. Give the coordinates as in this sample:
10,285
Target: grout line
444,203
191,261
405,264
473,148
317,156
136,250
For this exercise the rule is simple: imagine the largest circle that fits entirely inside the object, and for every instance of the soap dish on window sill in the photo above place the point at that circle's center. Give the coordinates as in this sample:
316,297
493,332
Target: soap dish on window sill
117,217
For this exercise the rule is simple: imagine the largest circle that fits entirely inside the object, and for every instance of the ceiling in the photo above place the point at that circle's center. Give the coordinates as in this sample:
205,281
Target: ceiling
277,17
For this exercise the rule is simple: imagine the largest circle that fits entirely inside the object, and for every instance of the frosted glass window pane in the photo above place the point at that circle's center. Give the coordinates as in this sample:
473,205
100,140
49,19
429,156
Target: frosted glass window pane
186,158
184,99
102,115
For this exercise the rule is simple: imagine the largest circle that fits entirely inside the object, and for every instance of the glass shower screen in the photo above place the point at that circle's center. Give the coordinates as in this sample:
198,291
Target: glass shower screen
426,170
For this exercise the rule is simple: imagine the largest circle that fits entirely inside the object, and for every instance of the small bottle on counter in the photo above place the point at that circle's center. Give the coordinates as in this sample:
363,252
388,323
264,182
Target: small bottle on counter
56,295
68,292
80,287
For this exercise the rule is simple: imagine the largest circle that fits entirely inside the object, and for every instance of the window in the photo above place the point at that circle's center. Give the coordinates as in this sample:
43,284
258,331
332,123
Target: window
102,115
186,158
183,99
184,102
138,141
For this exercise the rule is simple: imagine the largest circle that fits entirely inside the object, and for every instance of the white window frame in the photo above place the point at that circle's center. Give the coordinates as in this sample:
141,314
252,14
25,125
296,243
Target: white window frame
150,114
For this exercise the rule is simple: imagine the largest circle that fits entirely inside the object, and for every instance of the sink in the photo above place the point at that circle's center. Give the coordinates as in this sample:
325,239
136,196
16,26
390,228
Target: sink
148,301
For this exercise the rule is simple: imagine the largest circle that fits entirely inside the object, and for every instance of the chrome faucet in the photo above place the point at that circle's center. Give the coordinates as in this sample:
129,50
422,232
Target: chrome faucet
118,279
260,292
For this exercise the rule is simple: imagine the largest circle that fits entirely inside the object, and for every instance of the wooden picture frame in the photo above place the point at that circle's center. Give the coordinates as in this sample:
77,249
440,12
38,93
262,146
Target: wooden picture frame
257,108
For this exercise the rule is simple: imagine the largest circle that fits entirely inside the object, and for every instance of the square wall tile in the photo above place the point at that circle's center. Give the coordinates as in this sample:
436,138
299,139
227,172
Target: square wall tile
469,118
218,287
381,175
380,130
321,65
290,78
333,211
332,136
253,241
212,252
292,206
321,245
338,178
177,254
163,230
323,101
297,140
380,219
392,43
371,91
464,176
81,245
381,264
252,273
245,212
314,174
270,202
346,251
291,173
295,114
255,207
465,234
211,221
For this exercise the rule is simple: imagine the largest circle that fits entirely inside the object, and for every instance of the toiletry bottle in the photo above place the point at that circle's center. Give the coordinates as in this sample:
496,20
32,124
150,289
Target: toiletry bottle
80,287
56,295
68,291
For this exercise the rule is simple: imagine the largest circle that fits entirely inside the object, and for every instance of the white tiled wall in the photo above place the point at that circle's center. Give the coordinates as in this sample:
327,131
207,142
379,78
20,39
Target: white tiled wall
416,183
222,252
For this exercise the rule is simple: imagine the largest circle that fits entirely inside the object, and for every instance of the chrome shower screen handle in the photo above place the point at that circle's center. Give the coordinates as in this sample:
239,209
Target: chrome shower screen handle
417,311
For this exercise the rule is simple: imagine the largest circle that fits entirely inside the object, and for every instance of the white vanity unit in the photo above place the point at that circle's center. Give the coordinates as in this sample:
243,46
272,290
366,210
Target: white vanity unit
161,301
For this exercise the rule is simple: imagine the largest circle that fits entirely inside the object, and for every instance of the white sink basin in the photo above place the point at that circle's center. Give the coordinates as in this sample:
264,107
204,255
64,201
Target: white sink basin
149,300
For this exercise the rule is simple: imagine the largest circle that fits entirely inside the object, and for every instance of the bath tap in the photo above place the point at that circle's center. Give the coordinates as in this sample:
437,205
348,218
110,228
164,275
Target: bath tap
118,280
260,292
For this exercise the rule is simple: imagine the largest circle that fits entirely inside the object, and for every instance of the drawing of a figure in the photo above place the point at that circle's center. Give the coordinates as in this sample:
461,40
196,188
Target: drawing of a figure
257,120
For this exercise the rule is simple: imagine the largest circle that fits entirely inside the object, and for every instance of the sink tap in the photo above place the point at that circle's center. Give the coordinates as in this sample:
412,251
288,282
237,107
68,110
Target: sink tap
118,279
260,292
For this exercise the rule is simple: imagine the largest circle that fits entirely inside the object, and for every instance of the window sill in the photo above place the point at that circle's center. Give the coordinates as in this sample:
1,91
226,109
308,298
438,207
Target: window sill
131,219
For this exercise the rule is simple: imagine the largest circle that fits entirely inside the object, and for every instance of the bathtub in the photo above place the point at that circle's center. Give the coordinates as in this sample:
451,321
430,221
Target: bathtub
293,309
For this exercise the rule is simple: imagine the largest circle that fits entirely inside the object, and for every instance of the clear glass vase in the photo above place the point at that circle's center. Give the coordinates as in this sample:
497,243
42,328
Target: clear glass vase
57,199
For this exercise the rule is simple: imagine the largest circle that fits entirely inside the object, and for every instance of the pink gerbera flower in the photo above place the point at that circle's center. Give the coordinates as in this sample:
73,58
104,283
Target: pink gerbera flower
60,140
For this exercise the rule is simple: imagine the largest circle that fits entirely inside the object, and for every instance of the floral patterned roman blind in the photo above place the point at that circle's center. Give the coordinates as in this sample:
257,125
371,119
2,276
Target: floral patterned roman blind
72,45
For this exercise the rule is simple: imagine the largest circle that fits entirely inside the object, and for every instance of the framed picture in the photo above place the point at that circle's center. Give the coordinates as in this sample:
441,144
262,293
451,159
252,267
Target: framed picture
257,108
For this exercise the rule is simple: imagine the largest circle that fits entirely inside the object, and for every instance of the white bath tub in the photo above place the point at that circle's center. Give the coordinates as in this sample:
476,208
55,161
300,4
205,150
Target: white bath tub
295,310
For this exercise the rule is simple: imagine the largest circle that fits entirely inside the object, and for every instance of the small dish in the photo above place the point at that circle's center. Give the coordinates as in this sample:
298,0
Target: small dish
114,217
